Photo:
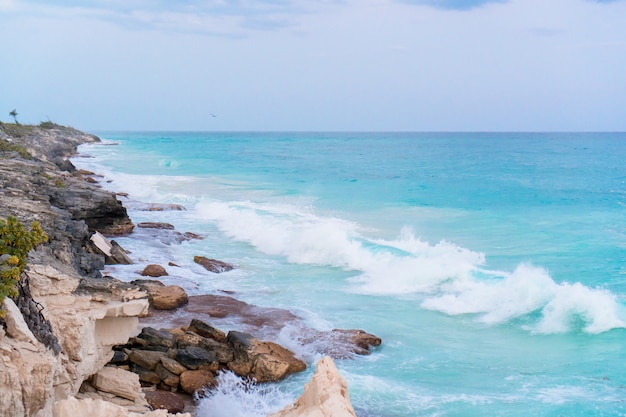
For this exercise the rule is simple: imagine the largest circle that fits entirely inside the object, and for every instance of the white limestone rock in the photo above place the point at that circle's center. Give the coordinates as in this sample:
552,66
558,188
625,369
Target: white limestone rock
16,326
73,407
325,395
117,381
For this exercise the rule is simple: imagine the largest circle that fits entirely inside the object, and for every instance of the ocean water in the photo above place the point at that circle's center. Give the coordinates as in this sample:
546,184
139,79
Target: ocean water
492,265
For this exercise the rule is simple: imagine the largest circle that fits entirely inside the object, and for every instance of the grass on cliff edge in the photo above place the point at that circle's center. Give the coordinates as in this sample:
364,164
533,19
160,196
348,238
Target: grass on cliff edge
17,130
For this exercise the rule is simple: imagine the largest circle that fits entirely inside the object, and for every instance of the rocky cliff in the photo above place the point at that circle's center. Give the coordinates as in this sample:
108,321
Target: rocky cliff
60,330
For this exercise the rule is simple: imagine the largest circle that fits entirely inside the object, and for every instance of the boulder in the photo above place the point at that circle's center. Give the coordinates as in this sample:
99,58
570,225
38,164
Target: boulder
157,337
196,380
206,330
195,358
163,400
119,382
213,265
73,407
172,366
113,253
361,340
154,270
168,297
326,395
221,351
169,378
147,285
16,326
147,359
145,376
261,361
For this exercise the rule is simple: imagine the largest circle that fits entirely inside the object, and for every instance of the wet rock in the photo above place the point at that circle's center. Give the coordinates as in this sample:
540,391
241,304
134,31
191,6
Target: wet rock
172,366
157,337
154,270
206,330
194,381
163,400
113,252
118,358
148,285
147,359
221,351
261,361
359,338
168,297
213,265
168,378
145,376
194,358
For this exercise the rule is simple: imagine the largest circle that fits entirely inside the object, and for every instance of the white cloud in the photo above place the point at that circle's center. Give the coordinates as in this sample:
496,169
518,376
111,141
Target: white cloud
371,65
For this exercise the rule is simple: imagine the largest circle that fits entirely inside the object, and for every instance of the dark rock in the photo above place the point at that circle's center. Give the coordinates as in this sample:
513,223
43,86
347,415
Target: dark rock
156,337
359,338
147,285
169,378
221,351
172,366
206,330
213,265
119,256
118,358
147,359
192,236
194,358
149,377
163,400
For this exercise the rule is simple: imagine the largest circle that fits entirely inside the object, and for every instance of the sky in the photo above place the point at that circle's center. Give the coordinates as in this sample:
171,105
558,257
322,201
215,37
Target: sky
315,65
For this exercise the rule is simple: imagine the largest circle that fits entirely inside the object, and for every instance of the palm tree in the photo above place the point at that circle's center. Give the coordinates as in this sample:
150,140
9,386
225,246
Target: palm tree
13,114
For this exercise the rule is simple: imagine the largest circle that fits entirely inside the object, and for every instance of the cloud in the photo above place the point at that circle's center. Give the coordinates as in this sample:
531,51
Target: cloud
471,4
453,4
212,17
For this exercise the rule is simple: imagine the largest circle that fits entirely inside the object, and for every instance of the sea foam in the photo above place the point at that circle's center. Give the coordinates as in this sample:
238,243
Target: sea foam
452,279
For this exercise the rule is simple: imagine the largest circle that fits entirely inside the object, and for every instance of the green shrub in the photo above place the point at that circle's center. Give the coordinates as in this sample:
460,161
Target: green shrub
16,242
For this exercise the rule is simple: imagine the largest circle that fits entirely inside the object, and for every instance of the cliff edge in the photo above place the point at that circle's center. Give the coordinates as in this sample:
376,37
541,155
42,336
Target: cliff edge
59,331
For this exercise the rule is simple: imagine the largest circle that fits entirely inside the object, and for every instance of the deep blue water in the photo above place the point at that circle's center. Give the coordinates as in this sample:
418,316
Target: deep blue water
491,264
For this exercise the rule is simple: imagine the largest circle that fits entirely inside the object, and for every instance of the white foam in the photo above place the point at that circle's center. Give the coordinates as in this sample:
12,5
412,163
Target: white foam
235,398
454,279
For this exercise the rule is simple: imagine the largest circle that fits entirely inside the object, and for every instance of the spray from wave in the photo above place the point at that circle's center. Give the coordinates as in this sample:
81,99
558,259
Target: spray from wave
235,397
451,279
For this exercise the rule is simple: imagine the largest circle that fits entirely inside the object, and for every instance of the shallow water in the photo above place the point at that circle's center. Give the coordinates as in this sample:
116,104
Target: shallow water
491,265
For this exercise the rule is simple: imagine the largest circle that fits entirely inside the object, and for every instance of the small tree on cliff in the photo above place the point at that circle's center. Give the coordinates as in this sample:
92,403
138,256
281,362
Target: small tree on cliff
15,243
13,113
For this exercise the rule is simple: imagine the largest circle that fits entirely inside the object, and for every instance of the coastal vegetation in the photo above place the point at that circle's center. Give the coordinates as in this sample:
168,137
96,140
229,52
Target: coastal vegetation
15,243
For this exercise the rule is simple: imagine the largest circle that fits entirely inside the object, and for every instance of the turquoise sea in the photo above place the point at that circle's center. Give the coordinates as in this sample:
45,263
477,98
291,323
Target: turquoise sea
492,265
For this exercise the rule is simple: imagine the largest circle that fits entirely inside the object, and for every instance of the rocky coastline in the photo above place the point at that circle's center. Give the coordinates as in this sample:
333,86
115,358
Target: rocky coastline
75,342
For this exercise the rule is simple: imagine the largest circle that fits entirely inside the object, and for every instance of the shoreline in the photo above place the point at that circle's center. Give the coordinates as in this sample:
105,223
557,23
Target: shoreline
65,276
